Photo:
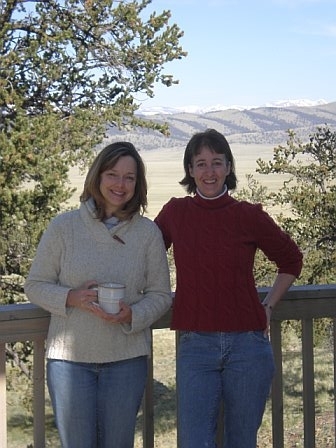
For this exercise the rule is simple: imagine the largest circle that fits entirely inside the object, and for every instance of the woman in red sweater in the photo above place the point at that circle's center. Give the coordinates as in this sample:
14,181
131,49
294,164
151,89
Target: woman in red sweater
224,351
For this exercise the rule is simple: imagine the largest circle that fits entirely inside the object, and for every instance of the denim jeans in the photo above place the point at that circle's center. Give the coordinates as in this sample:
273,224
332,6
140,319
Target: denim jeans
236,368
95,405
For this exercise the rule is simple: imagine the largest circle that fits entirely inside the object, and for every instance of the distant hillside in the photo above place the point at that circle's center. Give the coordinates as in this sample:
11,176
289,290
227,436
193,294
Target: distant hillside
263,125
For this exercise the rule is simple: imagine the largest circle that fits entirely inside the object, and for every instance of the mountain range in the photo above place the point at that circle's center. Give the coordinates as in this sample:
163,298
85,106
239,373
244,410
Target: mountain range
155,110
261,125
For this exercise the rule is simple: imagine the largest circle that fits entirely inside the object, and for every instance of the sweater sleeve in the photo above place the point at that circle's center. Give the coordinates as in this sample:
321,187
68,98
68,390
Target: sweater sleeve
276,244
157,298
164,221
42,284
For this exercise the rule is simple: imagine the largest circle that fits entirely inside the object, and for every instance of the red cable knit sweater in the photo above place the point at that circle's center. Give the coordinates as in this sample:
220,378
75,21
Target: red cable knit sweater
214,243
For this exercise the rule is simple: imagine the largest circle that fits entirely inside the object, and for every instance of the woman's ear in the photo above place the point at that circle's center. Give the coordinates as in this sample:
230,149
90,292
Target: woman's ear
191,170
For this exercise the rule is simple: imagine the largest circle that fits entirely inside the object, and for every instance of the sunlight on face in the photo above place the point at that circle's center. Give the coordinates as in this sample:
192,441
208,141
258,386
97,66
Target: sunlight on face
117,184
209,170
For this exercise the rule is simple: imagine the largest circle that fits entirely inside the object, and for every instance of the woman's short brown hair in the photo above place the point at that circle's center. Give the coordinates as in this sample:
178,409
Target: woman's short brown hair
215,141
107,159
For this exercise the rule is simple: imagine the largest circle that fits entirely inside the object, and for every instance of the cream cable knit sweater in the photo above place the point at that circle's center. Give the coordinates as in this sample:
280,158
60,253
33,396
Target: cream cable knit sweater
75,248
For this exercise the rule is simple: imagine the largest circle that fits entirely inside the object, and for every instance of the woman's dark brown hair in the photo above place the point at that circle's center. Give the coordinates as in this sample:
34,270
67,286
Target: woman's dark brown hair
215,141
106,160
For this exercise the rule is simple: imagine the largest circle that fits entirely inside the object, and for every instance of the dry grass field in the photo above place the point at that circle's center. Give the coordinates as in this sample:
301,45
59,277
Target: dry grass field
165,170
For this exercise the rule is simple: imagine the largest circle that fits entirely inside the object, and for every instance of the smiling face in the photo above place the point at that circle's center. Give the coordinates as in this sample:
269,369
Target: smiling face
117,185
209,170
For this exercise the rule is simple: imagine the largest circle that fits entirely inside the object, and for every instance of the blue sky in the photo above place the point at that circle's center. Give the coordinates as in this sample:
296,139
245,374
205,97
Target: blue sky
250,52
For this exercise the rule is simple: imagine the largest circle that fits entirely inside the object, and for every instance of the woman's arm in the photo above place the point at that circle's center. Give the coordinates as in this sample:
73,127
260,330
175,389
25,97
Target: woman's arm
280,286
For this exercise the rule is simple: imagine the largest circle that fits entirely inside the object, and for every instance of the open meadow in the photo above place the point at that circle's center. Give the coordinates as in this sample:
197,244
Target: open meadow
165,170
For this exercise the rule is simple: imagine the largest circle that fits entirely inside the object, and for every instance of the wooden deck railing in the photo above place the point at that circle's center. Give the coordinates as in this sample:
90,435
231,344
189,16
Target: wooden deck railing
26,322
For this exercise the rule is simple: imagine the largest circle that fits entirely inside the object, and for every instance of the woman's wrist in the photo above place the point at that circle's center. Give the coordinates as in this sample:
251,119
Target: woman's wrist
267,305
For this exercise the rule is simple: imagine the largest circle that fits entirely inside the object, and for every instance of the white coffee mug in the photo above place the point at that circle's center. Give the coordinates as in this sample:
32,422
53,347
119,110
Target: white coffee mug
109,295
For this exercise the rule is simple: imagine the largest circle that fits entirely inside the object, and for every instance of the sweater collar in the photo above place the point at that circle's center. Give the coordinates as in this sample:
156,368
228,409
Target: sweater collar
219,202
91,207
100,232
216,197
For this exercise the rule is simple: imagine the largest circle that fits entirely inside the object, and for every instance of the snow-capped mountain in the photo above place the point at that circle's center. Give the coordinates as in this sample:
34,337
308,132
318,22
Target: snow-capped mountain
296,103
268,124
192,109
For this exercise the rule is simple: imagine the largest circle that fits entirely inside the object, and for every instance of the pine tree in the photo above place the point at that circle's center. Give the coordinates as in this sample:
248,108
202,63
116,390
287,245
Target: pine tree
69,69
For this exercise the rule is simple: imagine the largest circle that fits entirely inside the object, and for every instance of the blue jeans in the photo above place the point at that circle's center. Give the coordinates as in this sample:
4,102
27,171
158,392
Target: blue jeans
236,368
95,405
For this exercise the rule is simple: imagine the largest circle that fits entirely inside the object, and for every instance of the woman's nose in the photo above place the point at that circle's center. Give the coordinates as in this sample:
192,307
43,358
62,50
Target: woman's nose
209,169
119,180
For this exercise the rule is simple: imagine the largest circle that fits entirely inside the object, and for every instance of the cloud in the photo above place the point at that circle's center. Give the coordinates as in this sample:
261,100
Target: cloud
317,28
294,3
330,30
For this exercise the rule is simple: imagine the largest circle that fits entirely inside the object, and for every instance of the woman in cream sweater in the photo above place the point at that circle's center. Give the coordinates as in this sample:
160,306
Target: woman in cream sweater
97,362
